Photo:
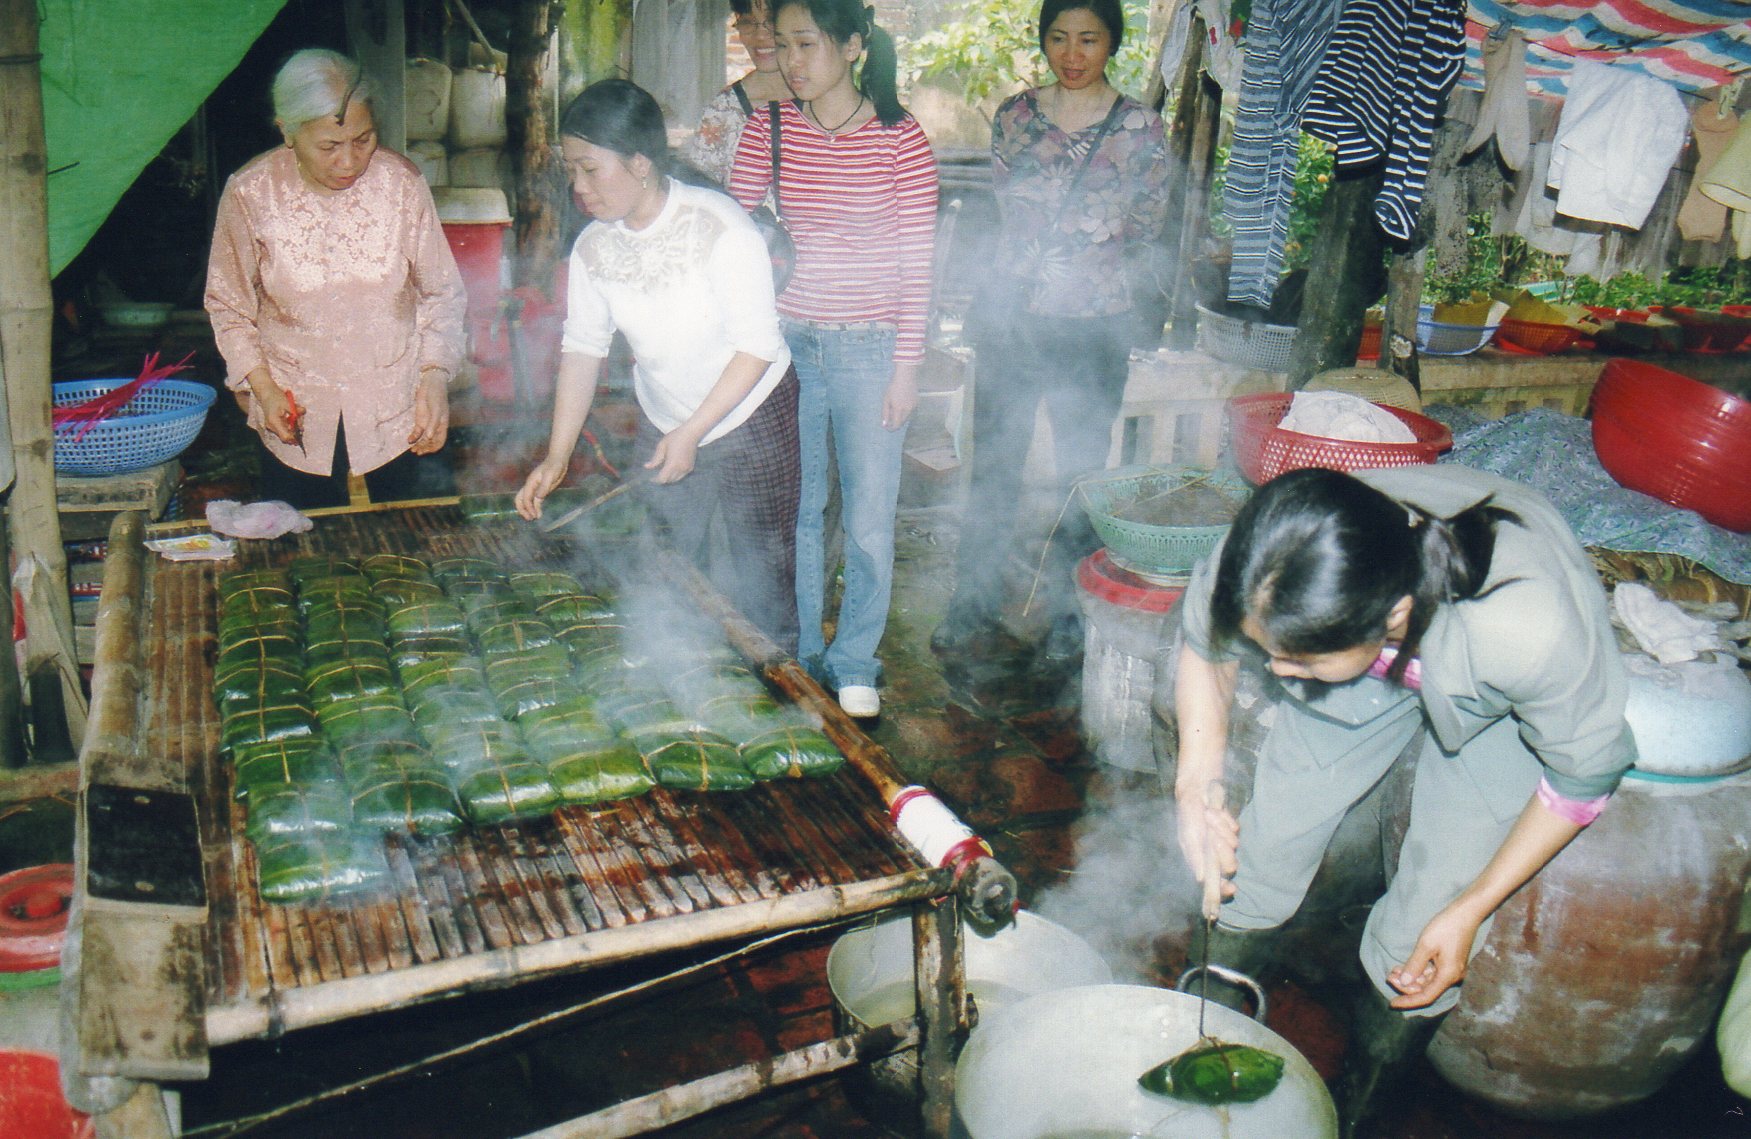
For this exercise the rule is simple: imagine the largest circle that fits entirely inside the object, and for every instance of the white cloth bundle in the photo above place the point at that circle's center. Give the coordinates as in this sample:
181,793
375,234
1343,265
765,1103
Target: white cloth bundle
1340,415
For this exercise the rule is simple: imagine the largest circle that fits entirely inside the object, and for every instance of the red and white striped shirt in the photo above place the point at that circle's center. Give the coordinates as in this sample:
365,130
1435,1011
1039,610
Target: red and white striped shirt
861,208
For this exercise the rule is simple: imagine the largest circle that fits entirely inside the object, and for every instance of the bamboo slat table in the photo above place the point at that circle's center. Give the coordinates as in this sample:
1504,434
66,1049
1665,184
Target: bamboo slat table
155,976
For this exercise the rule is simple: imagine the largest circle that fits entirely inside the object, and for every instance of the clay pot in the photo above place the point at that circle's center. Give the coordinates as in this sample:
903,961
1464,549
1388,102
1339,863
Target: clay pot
1602,976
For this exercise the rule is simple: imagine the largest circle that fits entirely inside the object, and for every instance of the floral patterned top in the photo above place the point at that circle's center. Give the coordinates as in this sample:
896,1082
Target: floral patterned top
1074,252
712,149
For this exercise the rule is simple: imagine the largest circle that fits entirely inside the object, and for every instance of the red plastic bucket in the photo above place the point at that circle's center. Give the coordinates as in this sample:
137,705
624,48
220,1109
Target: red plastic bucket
479,249
31,1103
33,924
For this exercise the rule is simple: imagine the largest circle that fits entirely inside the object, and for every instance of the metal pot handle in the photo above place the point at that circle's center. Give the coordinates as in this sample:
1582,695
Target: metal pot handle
1231,976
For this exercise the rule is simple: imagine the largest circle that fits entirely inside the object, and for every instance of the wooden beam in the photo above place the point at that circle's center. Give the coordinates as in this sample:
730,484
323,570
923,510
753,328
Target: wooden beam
1197,124
26,306
1346,264
940,980
377,38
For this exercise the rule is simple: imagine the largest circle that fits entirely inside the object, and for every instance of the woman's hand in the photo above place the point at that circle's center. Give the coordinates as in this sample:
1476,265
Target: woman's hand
431,413
1439,960
1204,831
540,483
673,457
277,410
901,398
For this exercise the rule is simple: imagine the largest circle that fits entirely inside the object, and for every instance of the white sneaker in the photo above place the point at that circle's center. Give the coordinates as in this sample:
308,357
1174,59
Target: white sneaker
860,700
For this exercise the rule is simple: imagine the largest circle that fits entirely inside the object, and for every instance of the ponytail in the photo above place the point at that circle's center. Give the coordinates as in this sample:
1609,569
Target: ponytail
1455,554
879,76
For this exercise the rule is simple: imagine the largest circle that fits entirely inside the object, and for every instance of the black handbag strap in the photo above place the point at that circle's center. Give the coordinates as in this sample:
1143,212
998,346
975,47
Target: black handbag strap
777,135
1100,135
742,98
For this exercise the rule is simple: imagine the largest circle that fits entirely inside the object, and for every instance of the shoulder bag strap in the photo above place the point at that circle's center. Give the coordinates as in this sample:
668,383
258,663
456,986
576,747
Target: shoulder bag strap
777,135
742,98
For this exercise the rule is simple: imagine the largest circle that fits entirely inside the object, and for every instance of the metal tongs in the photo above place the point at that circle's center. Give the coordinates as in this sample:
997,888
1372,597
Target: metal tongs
548,526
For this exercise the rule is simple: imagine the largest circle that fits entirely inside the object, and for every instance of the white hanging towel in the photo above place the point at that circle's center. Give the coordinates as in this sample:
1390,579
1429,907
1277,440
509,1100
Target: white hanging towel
1620,133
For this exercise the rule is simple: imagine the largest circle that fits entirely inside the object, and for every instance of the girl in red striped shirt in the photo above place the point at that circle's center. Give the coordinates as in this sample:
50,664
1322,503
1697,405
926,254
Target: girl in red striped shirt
857,189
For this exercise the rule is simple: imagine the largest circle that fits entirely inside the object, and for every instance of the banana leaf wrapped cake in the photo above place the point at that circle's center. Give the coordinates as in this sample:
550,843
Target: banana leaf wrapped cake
311,868
689,759
397,786
277,810
302,759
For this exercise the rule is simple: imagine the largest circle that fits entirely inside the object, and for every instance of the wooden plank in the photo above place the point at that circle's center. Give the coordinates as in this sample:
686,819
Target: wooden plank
723,878
428,926
528,909
501,928
617,901
139,1007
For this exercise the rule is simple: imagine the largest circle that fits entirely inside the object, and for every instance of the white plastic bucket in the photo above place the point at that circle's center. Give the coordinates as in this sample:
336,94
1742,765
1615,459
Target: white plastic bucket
433,161
477,108
427,100
483,167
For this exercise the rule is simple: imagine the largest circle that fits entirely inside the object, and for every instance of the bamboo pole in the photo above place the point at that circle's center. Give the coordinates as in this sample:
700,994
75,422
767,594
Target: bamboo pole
14,749
941,988
25,312
684,1101
1197,123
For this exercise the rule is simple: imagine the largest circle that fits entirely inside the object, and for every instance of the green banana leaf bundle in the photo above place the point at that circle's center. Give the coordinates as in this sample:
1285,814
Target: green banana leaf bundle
313,868
599,661
692,760
244,689
338,641
312,566
456,709
466,568
280,809
413,650
488,609
1216,1073
238,581
394,592
317,591
269,722
504,791
322,609
544,585
548,662
240,625
365,720
517,698
377,567
335,681
488,507
517,637
427,619
258,601
740,716
700,680
465,748
640,709
584,610
794,752
256,651
599,772
434,676
560,728
301,760
400,787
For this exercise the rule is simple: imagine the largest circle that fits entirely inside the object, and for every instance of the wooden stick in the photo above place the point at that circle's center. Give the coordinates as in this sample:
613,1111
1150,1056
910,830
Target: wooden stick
942,1010
684,1101
582,509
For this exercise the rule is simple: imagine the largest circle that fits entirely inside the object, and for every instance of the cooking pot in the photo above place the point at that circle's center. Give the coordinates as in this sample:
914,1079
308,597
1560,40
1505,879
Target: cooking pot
1064,1065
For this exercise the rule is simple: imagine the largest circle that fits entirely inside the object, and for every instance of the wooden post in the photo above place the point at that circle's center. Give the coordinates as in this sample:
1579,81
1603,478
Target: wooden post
1197,121
942,1009
1346,267
1398,331
25,314
13,750
377,37
538,179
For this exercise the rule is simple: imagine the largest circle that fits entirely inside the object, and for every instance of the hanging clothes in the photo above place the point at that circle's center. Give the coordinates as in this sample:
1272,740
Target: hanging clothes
1701,218
1285,40
1506,114
1619,135
1384,80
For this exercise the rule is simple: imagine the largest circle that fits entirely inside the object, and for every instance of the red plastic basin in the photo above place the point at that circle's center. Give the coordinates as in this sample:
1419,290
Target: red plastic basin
1681,440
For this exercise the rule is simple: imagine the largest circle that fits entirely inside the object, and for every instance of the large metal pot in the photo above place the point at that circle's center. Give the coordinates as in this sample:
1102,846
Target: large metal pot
1064,1065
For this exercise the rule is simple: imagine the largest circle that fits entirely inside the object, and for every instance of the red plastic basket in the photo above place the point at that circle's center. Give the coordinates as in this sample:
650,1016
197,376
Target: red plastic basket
1678,439
1710,333
1537,337
1369,349
1263,450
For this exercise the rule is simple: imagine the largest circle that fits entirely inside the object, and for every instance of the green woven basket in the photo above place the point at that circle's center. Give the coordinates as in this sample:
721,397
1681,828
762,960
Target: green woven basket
1156,549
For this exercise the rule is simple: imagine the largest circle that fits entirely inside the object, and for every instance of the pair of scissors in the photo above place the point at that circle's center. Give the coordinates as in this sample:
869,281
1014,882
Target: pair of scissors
295,420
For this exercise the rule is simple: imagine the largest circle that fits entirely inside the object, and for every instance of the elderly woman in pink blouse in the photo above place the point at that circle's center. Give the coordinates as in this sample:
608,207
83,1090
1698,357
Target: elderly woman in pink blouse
335,300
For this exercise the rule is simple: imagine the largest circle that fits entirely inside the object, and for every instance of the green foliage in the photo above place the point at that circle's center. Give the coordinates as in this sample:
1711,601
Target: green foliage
994,46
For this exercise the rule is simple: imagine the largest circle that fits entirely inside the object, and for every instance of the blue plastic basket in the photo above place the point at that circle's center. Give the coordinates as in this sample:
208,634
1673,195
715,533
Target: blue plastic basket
1438,338
156,426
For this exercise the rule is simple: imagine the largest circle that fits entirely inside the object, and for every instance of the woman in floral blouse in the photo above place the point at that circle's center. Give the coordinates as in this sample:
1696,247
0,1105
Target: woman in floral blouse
712,149
1080,173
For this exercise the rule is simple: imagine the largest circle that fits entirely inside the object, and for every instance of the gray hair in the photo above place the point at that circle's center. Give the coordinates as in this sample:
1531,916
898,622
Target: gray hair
315,83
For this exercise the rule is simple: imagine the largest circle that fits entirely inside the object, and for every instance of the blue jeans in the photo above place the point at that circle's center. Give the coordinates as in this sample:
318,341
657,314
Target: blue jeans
845,375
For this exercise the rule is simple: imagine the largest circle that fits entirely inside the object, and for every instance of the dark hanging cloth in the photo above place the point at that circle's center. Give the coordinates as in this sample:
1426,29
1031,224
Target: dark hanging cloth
1383,83
1285,40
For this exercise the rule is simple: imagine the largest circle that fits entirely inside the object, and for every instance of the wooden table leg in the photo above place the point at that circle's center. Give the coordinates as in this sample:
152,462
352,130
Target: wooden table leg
942,1008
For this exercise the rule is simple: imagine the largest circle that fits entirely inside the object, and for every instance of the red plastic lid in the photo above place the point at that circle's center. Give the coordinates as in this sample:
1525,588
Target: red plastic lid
1099,576
33,916
32,1105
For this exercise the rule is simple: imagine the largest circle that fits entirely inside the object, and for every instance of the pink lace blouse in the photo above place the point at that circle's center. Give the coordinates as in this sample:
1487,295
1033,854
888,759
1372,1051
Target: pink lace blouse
345,298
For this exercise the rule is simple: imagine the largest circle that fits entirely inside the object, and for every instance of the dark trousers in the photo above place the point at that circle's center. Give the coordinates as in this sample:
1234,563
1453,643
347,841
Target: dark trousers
751,478
406,476
1077,368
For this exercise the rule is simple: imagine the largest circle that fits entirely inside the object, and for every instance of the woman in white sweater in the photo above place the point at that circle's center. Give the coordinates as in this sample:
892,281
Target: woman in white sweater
683,273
